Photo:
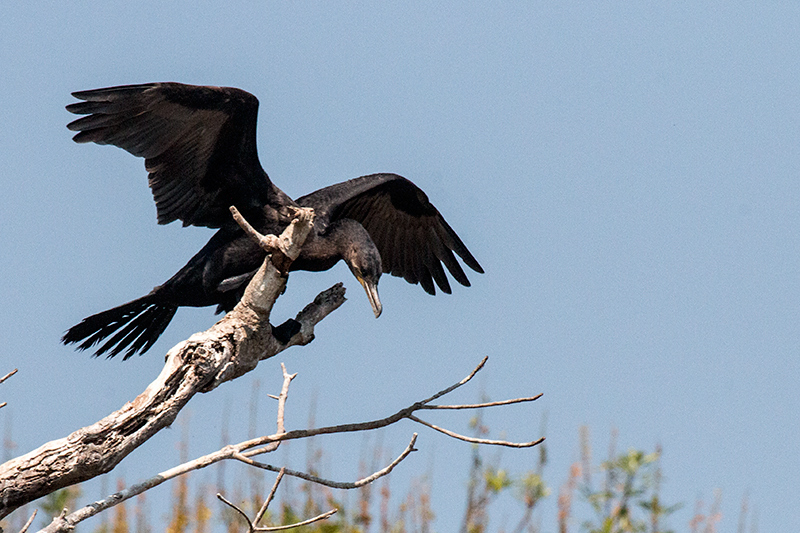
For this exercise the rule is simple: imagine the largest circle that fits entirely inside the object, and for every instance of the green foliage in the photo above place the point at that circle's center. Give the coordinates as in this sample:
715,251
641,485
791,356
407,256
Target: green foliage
629,479
487,482
532,488
52,504
496,480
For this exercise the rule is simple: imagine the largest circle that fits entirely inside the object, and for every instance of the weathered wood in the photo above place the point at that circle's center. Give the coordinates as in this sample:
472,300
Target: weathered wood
229,349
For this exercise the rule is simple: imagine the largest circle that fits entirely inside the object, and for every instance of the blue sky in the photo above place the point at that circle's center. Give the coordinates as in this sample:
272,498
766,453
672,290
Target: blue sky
626,173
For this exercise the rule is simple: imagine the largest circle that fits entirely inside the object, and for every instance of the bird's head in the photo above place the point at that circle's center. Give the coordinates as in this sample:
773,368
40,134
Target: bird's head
364,261
367,270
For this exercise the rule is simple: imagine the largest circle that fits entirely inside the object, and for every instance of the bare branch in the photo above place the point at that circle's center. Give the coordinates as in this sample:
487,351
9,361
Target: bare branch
244,451
250,230
30,520
221,498
271,495
245,447
287,379
2,380
252,528
8,375
334,484
457,385
323,516
487,404
288,241
478,441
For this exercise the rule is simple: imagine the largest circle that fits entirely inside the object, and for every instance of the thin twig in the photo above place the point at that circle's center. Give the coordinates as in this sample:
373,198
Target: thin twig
8,375
287,379
457,385
487,404
30,520
253,528
318,518
245,447
348,428
221,498
334,484
271,495
478,441
2,380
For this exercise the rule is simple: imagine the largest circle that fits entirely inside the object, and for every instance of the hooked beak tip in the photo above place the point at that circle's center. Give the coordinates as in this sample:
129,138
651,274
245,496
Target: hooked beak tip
372,295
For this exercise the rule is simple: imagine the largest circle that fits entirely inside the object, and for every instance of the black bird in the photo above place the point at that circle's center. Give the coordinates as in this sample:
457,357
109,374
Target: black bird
199,147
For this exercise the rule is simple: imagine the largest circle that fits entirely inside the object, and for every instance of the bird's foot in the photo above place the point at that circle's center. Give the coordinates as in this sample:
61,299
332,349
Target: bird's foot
286,331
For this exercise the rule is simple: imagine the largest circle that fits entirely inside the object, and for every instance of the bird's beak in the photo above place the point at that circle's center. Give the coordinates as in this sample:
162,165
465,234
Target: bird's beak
372,294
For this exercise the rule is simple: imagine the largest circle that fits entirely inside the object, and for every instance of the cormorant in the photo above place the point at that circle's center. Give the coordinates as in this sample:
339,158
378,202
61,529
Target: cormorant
199,147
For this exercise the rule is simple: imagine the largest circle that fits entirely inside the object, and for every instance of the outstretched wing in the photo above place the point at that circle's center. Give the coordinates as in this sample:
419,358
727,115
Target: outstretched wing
199,145
412,236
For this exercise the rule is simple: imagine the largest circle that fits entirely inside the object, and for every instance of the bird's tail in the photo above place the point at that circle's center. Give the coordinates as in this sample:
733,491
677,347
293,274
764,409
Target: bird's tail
135,325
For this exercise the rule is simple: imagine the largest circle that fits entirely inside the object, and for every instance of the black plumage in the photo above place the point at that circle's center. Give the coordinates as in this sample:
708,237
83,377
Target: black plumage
199,146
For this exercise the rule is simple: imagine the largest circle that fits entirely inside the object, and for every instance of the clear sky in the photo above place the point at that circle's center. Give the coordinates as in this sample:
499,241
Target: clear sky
625,172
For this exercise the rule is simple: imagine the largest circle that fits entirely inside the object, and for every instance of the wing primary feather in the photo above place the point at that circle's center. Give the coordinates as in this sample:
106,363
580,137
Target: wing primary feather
409,259
398,269
114,92
448,258
432,261
458,246
201,137
426,282
427,264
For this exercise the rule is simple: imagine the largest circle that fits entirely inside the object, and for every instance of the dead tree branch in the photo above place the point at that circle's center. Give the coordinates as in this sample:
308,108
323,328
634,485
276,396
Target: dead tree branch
5,378
66,522
263,510
478,441
8,375
253,528
29,522
247,449
333,484
485,404
229,349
